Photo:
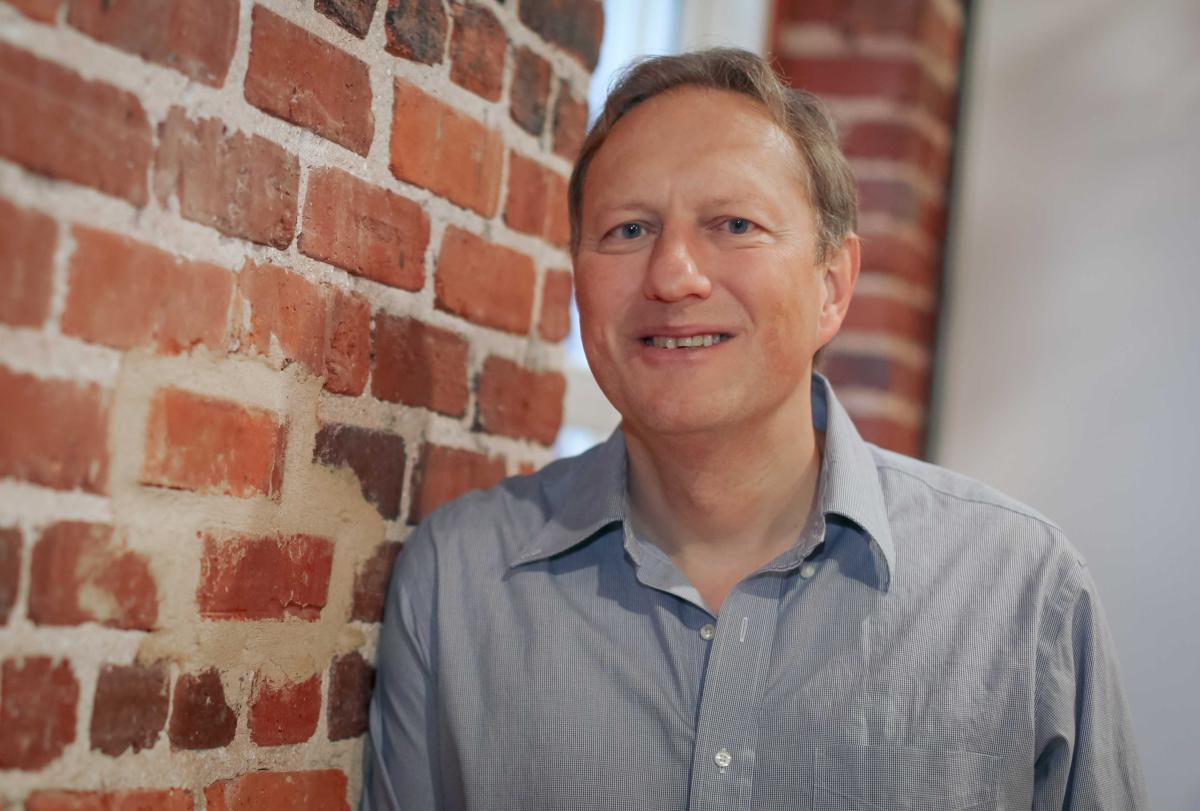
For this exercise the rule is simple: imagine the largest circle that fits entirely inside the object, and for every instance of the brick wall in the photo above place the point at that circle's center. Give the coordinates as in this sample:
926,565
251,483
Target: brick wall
890,70
277,279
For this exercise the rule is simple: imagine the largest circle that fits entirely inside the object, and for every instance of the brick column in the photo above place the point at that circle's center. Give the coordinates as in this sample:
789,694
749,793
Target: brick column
889,69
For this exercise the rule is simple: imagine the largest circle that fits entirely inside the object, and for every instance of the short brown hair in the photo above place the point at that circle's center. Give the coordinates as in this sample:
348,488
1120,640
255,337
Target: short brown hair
828,180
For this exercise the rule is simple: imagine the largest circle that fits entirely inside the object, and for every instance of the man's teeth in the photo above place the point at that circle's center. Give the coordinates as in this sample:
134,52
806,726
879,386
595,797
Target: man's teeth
688,342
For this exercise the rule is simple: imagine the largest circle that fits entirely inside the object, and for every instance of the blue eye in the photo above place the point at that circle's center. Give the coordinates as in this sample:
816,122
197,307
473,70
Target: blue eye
738,225
630,230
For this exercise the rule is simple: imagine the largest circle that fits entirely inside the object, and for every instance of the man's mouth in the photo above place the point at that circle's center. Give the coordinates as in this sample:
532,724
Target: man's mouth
688,342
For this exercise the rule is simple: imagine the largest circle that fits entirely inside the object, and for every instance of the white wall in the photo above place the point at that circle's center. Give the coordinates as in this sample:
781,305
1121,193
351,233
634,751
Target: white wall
1070,374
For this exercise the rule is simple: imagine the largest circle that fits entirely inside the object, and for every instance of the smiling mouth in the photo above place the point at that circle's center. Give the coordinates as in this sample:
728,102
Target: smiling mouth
690,342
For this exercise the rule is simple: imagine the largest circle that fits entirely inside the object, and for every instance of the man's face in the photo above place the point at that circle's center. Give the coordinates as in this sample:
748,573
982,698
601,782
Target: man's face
701,302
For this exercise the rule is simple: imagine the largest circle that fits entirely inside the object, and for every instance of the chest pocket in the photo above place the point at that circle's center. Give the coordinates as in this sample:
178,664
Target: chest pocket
903,778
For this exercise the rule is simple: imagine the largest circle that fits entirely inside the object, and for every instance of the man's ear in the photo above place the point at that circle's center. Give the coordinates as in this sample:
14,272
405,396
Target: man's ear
840,274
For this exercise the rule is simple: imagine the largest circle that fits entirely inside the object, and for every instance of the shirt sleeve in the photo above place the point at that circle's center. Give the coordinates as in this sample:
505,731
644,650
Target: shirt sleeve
1086,755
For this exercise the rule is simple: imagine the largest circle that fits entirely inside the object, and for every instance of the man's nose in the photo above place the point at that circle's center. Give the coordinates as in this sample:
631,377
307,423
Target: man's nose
675,270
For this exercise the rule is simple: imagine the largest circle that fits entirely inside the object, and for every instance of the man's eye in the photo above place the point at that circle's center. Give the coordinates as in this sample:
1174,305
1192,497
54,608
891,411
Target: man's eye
738,225
629,230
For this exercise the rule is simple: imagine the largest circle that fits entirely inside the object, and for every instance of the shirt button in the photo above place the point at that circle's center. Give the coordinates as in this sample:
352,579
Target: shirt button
808,570
722,758
708,631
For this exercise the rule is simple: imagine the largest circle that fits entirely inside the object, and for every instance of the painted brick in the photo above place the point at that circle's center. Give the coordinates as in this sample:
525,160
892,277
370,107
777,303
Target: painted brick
483,282
215,446
570,122
576,25
268,577
127,294
174,799
242,185
195,37
876,314
420,365
38,697
43,11
376,457
530,91
416,29
284,713
10,571
26,265
554,324
444,474
58,124
517,402
371,582
365,229
200,716
282,313
444,150
350,683
80,573
130,707
353,15
321,790
348,350
303,79
478,50
53,432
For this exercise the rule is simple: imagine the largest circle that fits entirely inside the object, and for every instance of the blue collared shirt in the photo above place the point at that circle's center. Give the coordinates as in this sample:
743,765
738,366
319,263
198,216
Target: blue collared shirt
927,644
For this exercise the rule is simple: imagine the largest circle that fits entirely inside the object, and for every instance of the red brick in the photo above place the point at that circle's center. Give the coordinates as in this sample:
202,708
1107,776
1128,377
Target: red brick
348,348
268,577
444,474
555,321
376,457
860,17
483,282
576,25
10,571
200,716
303,79
53,432
44,11
350,682
896,197
530,91
896,78
570,122
526,208
195,37
214,446
80,573
127,294
352,15
56,123
884,253
517,402
284,312
371,583
242,185
892,435
322,790
899,142
174,799
26,264
942,35
558,223
876,314
284,713
130,707
478,49
420,365
37,711
875,372
446,151
416,29
365,229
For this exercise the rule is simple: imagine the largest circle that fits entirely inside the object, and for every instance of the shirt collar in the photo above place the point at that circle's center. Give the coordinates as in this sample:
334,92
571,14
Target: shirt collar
591,495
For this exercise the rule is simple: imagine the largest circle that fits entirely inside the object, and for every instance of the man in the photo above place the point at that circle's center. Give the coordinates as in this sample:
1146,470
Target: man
735,602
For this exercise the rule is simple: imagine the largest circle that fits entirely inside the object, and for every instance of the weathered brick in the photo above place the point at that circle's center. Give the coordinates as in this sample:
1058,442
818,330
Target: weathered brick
483,282
570,122
43,11
558,223
195,37
38,697
376,457
130,707
282,313
200,443
348,349
322,790
518,402
267,577
576,25
127,294
200,716
53,432
898,141
365,229
420,365
416,29
554,324
444,150
353,15
80,573
350,683
242,185
173,799
303,79
445,473
26,264
530,91
56,123
537,200
901,79
478,50
286,712
371,582
10,571
878,314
